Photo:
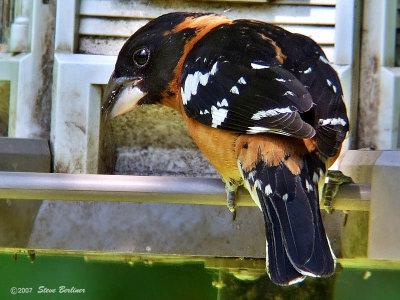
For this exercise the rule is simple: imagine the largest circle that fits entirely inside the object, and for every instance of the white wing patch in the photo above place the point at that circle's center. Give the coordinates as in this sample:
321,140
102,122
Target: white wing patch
270,113
332,121
204,112
191,84
260,129
323,59
290,93
218,116
242,80
214,69
257,66
257,129
234,90
224,102
331,85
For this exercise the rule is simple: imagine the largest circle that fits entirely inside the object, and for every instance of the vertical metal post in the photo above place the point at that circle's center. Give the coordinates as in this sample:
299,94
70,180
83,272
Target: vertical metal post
378,108
347,56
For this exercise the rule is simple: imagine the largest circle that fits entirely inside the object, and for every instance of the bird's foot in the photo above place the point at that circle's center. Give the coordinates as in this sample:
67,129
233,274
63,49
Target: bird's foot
231,203
335,180
231,188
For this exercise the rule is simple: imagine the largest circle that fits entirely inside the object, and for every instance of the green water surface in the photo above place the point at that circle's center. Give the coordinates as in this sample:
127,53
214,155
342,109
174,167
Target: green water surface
43,278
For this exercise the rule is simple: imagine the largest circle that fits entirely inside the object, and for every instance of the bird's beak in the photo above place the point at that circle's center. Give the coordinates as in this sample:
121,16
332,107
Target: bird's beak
122,95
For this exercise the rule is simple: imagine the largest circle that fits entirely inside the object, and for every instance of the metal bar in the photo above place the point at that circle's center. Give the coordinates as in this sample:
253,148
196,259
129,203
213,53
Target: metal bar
209,262
126,188
353,197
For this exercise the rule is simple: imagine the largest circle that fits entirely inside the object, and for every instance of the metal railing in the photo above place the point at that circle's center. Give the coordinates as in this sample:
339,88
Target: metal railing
126,188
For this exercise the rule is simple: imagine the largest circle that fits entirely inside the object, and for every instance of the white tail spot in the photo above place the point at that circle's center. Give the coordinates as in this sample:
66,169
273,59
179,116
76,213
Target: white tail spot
268,190
257,184
309,187
252,174
315,178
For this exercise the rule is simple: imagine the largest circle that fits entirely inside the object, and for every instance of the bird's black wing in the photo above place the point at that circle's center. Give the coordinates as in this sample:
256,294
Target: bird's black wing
307,61
230,88
252,77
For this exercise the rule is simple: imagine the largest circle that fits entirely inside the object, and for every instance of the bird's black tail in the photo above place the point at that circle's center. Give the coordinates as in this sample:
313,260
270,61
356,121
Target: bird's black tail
297,245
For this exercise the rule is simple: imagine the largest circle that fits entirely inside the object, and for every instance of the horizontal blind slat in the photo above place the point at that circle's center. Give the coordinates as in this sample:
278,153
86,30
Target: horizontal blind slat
278,2
106,24
126,27
286,14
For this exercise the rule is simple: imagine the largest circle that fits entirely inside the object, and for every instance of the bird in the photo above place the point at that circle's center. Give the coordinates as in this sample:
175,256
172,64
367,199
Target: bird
264,106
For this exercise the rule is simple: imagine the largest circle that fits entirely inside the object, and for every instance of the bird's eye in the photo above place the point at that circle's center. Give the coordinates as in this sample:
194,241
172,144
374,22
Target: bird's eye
141,57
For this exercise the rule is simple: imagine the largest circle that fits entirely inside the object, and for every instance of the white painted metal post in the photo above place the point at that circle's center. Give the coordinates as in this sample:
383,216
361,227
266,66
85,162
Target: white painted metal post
381,169
379,98
28,72
347,59
75,121
66,25
75,117
384,221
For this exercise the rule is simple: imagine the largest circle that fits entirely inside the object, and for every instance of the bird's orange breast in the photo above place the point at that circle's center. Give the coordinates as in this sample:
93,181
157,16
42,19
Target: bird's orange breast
219,146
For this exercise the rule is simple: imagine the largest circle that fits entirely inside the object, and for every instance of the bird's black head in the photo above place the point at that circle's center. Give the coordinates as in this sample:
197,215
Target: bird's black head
146,63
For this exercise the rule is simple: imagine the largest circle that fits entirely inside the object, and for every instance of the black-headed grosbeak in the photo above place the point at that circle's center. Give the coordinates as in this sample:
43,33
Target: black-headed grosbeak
263,105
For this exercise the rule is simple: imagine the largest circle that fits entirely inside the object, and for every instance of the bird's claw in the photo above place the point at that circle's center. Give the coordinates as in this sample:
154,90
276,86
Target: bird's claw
335,180
231,203
231,187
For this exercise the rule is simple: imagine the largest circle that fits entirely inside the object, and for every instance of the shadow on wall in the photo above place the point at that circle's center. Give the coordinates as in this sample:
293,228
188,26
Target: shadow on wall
4,107
153,140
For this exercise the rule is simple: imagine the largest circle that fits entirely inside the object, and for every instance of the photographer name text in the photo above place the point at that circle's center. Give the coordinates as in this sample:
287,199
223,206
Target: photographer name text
62,289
